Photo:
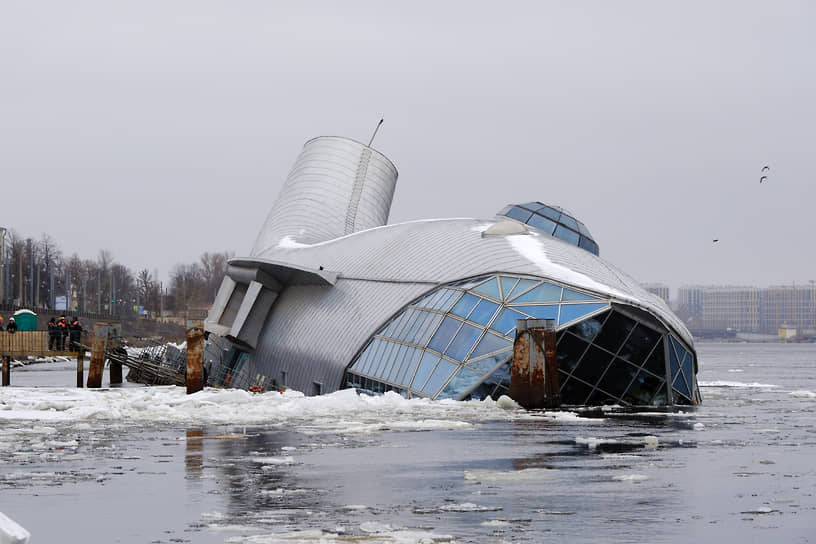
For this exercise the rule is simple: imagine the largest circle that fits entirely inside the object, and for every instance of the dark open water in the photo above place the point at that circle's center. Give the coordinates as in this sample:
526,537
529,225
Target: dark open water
740,468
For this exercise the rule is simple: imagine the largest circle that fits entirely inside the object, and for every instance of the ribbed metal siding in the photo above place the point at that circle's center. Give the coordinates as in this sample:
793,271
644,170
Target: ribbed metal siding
313,332
336,186
441,251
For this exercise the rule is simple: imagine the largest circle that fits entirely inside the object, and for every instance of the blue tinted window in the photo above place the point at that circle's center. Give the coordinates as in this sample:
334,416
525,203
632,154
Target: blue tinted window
426,366
569,221
484,312
465,305
444,334
520,287
542,223
414,322
589,245
574,311
440,375
489,288
505,210
490,343
507,285
569,294
549,212
540,312
396,367
583,230
546,292
360,364
520,214
447,299
489,363
688,369
426,328
680,386
411,360
462,342
506,320
532,205
567,235
387,360
464,380
674,363
378,347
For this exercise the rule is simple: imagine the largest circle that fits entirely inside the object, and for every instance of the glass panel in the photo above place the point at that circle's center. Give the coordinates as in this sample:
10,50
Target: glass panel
426,365
567,235
549,212
506,209
414,318
574,392
546,292
489,288
589,328
614,332
428,300
569,350
600,397
360,363
657,362
460,383
467,284
425,328
688,371
574,296
488,363
443,371
448,296
507,285
568,221
484,312
549,311
681,351
570,312
489,344
444,333
661,398
412,358
463,341
583,230
397,367
674,364
520,214
388,360
542,223
395,324
639,344
589,245
592,365
465,305
680,386
618,377
506,320
642,390
521,286
377,359
532,205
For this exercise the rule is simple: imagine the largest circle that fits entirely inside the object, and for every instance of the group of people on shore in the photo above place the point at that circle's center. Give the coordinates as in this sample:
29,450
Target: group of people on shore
58,332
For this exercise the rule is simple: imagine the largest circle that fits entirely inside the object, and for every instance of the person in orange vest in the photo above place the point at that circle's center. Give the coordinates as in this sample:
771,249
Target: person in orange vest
62,332
76,333
1,322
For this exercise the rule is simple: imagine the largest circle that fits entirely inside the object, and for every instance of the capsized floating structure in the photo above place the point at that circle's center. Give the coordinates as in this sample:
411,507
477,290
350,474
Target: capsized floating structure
332,297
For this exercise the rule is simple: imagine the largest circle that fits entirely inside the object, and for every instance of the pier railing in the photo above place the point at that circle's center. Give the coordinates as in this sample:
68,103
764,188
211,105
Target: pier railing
38,344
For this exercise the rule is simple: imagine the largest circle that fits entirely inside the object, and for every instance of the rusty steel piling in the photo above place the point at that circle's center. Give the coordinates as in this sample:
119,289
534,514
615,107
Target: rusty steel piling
534,373
80,376
97,364
6,370
195,356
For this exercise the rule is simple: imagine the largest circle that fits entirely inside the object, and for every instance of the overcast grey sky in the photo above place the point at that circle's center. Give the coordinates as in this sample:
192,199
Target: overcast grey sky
162,129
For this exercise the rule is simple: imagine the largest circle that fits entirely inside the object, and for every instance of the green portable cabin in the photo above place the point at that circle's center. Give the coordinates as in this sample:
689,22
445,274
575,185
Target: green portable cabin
26,320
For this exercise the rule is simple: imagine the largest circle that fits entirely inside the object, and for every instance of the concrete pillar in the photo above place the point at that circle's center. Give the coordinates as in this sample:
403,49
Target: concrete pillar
534,373
195,356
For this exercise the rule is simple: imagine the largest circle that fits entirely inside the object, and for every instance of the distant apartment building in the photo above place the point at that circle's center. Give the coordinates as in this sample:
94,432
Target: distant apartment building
747,309
658,289
788,306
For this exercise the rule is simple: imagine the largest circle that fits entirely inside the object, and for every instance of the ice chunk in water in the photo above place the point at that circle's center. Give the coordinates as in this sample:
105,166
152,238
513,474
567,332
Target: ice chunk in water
11,532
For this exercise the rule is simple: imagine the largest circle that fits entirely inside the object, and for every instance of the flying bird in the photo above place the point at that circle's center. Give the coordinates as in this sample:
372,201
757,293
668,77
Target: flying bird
715,240
766,168
763,178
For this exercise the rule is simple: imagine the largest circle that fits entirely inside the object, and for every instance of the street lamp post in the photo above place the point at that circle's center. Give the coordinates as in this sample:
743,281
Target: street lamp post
2,264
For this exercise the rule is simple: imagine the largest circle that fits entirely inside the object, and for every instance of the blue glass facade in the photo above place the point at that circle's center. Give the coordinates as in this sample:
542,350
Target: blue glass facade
456,342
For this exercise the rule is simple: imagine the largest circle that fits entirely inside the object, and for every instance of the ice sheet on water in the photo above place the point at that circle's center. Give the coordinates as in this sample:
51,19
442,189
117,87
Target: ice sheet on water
527,474
372,533
727,383
12,532
803,394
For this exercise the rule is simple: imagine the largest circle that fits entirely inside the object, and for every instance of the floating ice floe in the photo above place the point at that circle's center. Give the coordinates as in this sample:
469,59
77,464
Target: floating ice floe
631,478
727,383
803,394
12,532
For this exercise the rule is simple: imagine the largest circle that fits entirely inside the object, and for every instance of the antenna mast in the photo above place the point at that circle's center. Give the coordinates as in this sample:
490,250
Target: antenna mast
375,132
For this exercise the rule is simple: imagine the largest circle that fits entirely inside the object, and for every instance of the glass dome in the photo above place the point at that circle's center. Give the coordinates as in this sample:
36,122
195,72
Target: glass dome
554,221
